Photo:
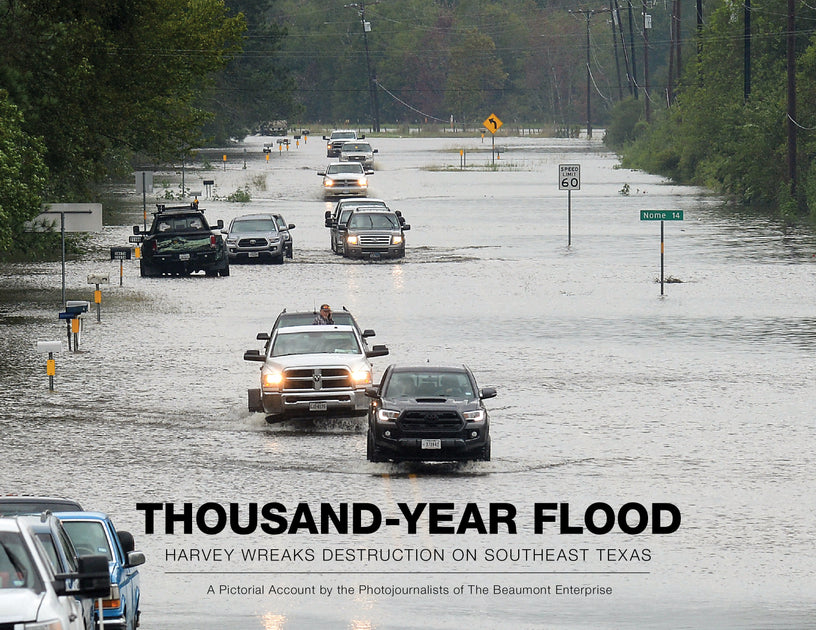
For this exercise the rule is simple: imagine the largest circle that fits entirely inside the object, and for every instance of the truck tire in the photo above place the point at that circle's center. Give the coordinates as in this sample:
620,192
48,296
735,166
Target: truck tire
372,452
486,451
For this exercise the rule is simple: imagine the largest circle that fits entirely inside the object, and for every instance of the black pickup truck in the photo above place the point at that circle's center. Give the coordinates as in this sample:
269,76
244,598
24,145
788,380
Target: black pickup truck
180,242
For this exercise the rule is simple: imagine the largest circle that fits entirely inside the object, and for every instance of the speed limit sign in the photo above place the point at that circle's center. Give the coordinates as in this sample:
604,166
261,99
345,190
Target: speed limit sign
569,177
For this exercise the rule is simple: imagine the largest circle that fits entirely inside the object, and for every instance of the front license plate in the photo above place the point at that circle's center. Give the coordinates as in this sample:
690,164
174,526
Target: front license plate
253,254
184,256
318,406
431,444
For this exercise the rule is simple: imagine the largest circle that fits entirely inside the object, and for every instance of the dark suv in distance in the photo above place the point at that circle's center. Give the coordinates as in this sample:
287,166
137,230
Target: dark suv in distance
428,413
373,233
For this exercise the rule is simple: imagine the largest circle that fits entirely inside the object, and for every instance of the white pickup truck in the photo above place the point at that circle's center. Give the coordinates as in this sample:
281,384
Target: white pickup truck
313,371
335,141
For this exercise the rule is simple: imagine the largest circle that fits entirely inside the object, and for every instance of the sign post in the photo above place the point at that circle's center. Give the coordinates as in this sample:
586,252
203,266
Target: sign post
121,254
569,179
661,215
144,185
492,124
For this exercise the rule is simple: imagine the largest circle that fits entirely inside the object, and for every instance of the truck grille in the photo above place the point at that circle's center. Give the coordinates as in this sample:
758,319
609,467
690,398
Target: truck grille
347,182
317,378
419,421
374,240
252,242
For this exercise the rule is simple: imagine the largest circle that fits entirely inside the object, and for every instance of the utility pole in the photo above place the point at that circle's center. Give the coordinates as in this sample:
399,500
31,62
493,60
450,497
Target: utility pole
372,79
647,24
791,62
588,13
746,79
615,47
632,49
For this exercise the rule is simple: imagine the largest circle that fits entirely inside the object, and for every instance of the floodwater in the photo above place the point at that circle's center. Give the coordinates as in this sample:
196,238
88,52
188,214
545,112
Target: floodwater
609,392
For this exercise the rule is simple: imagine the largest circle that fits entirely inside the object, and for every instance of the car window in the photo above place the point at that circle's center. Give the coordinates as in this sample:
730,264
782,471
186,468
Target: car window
429,384
254,225
88,537
363,220
348,167
317,342
356,147
17,568
51,551
304,319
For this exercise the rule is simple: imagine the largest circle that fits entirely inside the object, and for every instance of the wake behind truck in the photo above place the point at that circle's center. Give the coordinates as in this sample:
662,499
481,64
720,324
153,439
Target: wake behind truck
180,241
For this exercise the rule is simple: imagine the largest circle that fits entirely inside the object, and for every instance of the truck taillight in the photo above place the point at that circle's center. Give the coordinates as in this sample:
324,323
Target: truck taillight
212,240
154,245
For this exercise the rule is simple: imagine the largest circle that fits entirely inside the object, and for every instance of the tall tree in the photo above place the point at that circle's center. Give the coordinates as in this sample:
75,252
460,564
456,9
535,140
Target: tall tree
475,77
101,79
23,175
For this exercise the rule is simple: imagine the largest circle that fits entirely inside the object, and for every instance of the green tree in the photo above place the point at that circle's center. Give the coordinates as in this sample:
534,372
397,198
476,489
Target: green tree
255,85
99,80
475,76
23,175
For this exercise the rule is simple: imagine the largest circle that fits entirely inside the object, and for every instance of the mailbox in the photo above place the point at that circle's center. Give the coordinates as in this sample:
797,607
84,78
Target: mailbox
98,278
44,347
76,307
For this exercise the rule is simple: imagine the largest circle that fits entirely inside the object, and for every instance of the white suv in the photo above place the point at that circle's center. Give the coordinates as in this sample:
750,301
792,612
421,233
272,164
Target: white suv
313,371
32,596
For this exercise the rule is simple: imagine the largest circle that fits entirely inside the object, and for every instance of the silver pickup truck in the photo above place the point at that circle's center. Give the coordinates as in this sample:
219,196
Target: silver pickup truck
335,141
313,371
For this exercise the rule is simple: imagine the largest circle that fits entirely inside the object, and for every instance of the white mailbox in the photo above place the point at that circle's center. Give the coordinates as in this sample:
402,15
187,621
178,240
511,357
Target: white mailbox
45,347
98,278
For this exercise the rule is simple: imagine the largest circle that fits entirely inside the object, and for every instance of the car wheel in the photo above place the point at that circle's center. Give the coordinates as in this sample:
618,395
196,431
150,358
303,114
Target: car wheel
486,451
278,260
211,273
225,271
372,452
289,252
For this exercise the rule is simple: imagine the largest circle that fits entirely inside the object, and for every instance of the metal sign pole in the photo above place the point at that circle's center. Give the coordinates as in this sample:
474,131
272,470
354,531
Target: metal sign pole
62,232
661,258
569,218
144,200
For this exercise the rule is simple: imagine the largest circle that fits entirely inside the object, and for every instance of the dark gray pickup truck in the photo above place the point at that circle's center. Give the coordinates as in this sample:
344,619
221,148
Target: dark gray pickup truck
180,241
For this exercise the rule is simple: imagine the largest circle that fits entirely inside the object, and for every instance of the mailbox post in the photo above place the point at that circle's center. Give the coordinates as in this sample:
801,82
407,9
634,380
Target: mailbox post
97,279
50,347
73,313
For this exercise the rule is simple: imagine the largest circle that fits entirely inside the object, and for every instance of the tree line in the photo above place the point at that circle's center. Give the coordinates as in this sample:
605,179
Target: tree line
89,90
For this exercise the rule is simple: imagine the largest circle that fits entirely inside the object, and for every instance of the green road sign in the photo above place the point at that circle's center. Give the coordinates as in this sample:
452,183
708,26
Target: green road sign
661,215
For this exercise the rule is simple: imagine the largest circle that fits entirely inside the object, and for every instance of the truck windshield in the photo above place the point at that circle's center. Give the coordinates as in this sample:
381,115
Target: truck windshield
254,225
371,221
88,537
317,342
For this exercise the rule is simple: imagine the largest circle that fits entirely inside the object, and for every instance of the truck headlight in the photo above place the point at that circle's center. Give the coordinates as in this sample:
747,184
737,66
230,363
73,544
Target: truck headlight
361,377
396,240
362,181
387,415
351,239
272,379
328,183
475,416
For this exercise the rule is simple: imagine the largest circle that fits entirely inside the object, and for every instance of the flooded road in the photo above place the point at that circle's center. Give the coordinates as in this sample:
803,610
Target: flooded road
609,393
